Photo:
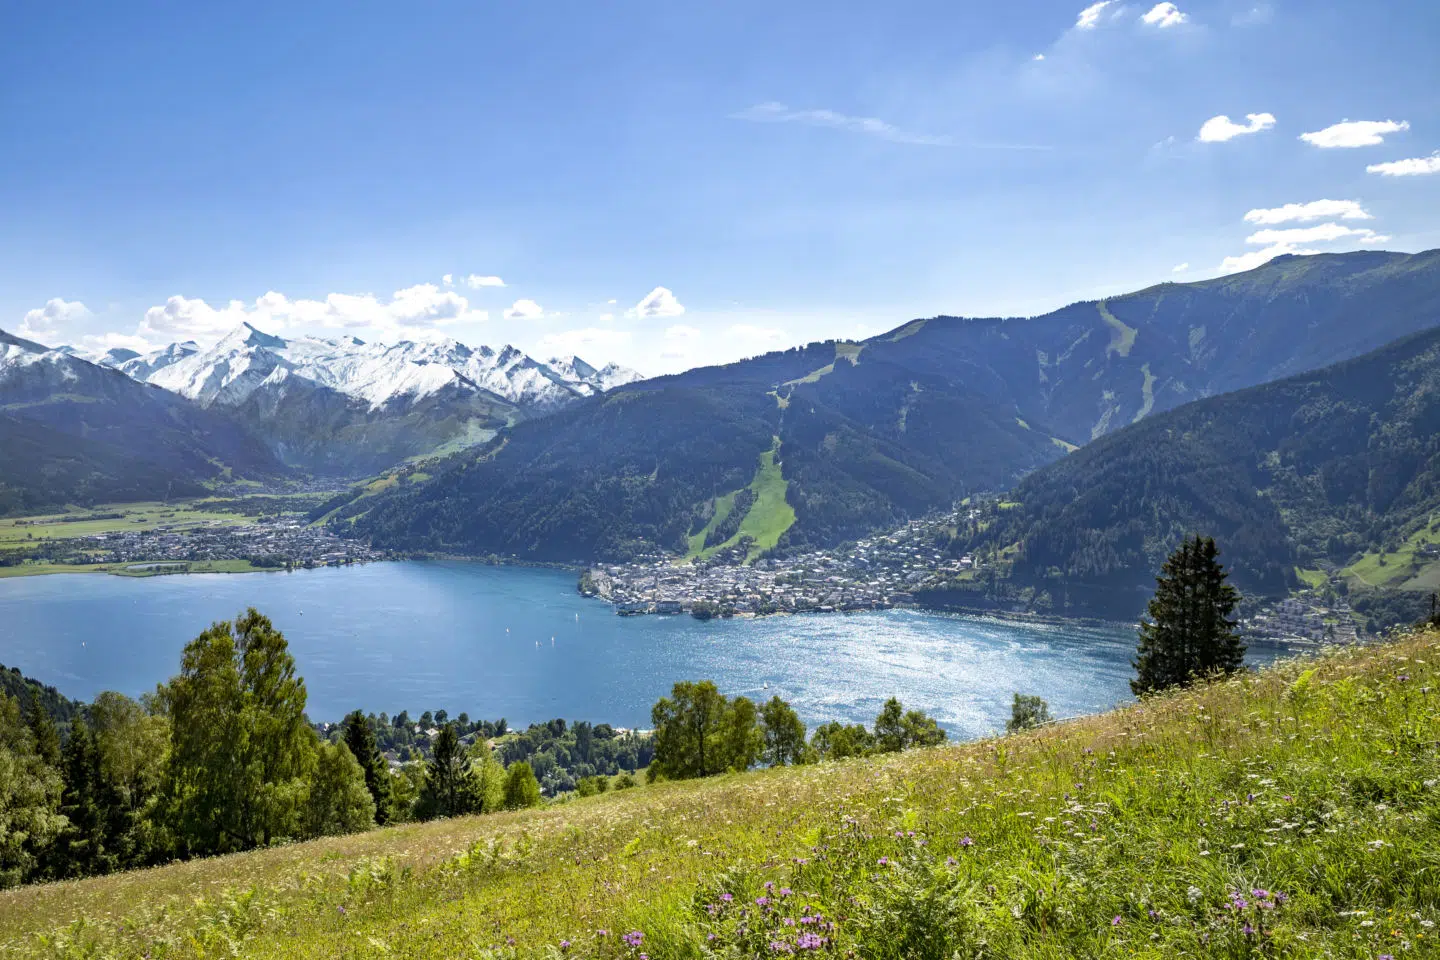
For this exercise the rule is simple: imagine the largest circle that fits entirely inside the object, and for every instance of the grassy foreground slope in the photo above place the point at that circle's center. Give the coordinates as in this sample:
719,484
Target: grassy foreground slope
1293,813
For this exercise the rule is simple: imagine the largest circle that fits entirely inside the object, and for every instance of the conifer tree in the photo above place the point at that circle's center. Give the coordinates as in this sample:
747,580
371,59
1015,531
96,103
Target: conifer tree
81,849
1190,632
360,738
447,776
42,730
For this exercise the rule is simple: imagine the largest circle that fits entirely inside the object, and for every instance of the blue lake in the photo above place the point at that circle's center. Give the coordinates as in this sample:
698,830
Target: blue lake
520,643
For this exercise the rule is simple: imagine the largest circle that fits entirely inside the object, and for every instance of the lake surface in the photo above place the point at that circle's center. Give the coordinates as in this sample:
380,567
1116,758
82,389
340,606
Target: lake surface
522,644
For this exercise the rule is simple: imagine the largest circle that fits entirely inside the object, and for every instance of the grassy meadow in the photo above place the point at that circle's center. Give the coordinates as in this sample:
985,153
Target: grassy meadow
1292,813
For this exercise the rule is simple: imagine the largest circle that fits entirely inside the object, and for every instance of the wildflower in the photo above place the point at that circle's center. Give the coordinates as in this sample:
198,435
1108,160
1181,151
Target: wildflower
786,891
1248,930
634,938
727,897
564,945
884,861
509,941
951,861
1116,921
966,842
762,901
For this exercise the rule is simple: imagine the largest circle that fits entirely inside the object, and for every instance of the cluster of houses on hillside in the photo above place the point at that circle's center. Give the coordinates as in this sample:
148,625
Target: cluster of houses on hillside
873,574
1304,620
281,541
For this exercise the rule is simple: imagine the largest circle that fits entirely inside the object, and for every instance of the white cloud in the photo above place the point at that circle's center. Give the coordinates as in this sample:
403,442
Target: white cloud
1090,16
779,113
475,281
681,332
607,317
575,341
412,312
1222,128
1415,167
1256,258
1165,15
524,310
1305,212
1354,133
1038,57
1180,268
448,279
1321,233
659,302
48,321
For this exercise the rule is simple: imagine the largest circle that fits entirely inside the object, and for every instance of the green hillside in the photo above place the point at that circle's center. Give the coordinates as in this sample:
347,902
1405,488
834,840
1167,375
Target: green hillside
1334,474
878,432
1293,813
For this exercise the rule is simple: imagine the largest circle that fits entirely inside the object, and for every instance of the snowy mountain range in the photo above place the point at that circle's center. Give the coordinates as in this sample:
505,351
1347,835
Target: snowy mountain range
344,406
72,431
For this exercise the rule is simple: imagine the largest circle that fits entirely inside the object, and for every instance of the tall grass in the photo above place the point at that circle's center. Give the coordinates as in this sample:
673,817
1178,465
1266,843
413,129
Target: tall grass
1293,813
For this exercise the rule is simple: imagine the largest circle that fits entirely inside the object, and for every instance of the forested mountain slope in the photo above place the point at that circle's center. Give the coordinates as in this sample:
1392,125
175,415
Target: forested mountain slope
1315,471
871,433
75,432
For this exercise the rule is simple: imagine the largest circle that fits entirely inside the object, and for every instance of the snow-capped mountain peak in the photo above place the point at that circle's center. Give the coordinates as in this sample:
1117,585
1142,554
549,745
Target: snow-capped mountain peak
246,359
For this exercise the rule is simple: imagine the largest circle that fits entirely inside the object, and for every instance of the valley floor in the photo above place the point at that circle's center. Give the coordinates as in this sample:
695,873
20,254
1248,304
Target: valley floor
1291,813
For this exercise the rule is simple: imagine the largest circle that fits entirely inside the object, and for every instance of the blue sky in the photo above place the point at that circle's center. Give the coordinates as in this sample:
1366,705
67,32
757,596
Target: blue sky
670,184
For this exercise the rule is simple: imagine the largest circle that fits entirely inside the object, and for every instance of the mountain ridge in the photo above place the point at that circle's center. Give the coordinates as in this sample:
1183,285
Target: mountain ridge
874,432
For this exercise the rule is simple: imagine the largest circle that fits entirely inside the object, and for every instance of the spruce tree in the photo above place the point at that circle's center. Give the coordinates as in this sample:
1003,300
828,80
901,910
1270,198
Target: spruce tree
360,738
81,851
1190,632
448,788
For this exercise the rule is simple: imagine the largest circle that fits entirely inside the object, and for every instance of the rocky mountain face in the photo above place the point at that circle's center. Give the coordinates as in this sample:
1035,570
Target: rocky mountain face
73,431
346,407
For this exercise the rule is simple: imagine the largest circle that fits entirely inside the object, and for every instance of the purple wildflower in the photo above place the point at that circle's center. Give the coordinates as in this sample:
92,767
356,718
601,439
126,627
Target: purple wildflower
966,842
1116,922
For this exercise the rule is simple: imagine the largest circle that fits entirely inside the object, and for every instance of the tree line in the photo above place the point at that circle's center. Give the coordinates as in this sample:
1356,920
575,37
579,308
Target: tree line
699,732
220,759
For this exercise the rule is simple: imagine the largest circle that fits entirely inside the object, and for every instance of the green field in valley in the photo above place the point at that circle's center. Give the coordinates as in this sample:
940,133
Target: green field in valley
1293,813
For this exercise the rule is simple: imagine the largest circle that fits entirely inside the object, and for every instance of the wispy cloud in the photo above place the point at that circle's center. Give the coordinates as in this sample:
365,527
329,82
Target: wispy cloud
1305,212
1222,128
773,112
1414,167
1354,133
